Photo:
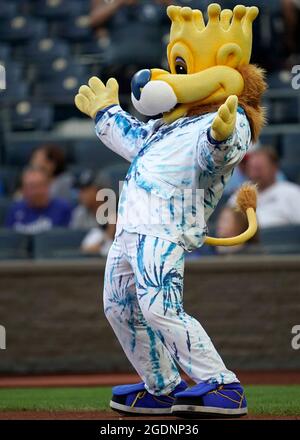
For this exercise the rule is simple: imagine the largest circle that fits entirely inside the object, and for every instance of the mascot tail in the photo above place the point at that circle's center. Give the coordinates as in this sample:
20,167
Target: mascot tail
246,202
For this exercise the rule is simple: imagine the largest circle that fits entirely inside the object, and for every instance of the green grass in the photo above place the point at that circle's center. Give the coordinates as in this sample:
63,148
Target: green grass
55,399
275,400
266,399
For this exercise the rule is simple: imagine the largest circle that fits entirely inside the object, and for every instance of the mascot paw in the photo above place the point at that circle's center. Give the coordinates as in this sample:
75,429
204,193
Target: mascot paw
224,123
96,96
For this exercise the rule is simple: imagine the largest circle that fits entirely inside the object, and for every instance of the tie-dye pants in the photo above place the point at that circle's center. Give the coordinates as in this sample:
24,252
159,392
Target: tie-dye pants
143,301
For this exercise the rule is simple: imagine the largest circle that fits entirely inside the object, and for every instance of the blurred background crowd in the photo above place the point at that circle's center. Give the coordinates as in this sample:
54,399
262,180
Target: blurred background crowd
52,164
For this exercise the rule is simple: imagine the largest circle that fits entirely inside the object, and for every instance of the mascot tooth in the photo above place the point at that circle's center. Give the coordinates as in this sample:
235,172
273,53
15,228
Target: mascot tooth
210,105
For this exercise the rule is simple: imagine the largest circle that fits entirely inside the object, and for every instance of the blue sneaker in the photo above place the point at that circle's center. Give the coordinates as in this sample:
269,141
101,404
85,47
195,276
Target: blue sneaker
211,400
135,399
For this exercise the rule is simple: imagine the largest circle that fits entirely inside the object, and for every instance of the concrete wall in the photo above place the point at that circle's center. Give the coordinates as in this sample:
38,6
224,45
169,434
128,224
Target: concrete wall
54,319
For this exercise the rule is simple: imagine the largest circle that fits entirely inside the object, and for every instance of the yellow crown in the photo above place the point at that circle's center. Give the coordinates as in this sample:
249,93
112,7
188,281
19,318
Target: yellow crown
226,34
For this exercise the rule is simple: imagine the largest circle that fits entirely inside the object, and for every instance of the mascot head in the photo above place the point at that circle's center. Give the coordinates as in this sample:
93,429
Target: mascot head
208,62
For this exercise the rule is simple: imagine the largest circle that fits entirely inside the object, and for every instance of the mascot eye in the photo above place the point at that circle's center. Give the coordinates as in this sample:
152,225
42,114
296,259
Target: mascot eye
180,66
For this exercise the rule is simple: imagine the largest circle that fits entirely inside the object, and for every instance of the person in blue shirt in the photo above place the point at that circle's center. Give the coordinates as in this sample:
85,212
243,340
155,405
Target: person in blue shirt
37,211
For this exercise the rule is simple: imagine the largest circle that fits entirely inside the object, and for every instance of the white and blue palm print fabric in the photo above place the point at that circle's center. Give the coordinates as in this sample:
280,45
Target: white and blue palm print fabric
167,161
143,289
143,301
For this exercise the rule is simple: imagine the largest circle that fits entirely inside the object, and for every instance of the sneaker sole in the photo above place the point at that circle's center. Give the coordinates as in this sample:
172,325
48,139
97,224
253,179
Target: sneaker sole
143,411
201,411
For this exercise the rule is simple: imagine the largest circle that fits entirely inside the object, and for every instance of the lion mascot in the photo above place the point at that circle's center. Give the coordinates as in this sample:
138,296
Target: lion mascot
209,113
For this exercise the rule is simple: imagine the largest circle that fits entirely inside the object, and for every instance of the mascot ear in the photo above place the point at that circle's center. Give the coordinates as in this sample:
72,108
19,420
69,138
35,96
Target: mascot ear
230,55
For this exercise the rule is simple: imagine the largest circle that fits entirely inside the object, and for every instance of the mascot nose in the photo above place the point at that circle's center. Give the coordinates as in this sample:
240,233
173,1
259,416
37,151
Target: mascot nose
139,80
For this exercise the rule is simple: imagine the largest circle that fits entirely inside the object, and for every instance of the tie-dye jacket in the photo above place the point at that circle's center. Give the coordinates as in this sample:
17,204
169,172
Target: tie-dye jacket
169,162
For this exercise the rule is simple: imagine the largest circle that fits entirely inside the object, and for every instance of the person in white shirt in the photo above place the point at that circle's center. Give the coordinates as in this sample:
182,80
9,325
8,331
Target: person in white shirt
99,237
278,202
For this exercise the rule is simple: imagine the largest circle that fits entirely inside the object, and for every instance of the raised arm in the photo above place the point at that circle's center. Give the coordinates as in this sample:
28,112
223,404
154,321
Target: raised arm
118,130
121,132
223,145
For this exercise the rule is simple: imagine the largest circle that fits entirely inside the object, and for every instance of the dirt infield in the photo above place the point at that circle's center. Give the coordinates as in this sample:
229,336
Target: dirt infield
106,415
86,380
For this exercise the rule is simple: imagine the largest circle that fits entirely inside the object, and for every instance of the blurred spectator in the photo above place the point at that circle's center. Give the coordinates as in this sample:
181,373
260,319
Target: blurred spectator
237,179
239,175
231,223
84,215
51,159
99,239
37,211
291,14
278,201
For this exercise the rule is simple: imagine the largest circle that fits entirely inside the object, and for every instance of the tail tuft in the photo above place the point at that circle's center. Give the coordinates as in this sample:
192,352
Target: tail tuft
246,197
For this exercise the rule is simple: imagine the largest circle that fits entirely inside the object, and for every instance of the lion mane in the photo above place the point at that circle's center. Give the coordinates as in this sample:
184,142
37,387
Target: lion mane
249,100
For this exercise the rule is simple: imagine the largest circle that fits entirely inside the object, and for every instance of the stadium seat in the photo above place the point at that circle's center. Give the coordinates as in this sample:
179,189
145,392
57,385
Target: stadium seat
92,153
282,110
279,80
291,171
291,148
4,204
59,67
5,53
13,245
75,28
262,4
114,174
93,47
9,178
14,92
59,9
27,115
281,106
61,90
203,251
21,28
44,50
290,160
1,150
281,239
58,243
17,153
14,71
269,140
146,51
8,9
16,86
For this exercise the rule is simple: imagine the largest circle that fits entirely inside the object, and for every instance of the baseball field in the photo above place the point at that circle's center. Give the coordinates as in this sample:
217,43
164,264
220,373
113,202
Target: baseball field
87,397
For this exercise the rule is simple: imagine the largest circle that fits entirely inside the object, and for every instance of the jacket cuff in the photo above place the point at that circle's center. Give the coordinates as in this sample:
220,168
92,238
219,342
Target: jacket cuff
211,140
101,112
